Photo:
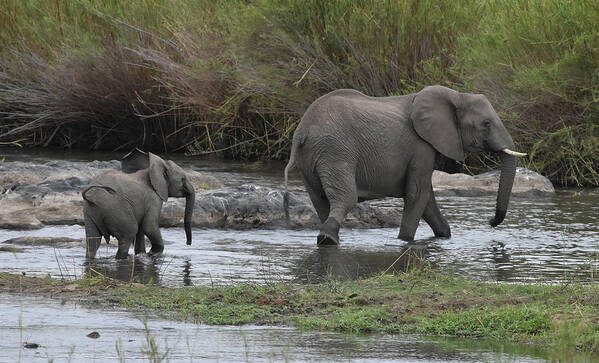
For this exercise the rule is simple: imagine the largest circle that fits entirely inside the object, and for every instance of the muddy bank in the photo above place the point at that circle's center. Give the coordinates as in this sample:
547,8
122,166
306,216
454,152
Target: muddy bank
34,195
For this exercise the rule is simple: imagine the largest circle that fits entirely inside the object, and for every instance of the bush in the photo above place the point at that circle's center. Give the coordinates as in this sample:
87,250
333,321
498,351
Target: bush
234,77
539,63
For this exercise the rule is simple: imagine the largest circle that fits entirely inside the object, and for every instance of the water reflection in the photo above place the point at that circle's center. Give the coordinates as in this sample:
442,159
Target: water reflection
141,268
327,262
33,319
187,273
504,268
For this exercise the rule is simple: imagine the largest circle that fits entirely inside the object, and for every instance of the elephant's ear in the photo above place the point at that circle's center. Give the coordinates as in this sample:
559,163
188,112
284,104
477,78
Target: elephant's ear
135,160
434,118
157,172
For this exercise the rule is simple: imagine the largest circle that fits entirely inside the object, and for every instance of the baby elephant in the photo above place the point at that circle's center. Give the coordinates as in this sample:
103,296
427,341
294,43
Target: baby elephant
127,206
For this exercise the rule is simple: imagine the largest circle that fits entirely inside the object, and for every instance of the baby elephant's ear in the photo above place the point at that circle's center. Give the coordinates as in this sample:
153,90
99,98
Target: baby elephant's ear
435,120
135,160
158,178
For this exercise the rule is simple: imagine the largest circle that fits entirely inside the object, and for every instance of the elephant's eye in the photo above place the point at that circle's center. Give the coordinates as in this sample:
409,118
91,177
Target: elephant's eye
487,123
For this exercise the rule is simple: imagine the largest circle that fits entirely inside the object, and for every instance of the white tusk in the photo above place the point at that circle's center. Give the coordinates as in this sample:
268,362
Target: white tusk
514,153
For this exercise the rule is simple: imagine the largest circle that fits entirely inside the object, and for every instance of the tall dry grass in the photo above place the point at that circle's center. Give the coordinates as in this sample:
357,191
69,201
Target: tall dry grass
233,77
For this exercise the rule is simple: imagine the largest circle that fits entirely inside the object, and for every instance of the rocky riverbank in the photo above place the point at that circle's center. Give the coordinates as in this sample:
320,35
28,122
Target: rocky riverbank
34,195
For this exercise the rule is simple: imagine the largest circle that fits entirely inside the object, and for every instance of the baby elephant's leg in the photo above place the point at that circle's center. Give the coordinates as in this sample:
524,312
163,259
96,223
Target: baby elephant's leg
152,230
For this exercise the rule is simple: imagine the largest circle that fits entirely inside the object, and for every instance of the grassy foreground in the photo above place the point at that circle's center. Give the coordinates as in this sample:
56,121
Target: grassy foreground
423,302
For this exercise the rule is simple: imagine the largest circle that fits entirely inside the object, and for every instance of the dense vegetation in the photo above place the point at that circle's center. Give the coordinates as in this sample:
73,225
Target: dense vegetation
234,76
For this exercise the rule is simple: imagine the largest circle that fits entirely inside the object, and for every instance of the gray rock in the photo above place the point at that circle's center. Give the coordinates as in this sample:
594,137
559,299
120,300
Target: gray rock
202,181
32,173
19,220
34,195
60,176
58,201
251,206
30,191
527,183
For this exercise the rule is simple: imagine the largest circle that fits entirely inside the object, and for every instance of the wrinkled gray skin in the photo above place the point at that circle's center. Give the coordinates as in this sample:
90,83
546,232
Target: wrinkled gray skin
127,206
351,147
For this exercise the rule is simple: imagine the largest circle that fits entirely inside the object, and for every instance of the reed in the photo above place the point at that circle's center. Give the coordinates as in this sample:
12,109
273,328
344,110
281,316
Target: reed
234,77
538,60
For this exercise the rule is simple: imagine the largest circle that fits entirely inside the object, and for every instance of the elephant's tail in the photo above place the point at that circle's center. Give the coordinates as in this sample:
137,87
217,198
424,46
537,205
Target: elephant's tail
287,168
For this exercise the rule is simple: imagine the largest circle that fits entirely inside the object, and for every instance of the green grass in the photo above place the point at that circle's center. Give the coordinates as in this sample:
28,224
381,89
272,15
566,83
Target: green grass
564,317
233,77
427,302
511,322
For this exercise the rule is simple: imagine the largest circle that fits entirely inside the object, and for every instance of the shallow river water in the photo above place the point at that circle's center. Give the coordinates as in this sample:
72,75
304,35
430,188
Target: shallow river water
127,337
551,239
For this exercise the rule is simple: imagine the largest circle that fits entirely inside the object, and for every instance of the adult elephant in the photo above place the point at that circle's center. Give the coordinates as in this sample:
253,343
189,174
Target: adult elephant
127,206
350,147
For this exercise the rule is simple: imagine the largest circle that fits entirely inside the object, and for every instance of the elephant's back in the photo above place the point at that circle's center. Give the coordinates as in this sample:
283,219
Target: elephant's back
344,107
114,178
357,117
369,133
131,186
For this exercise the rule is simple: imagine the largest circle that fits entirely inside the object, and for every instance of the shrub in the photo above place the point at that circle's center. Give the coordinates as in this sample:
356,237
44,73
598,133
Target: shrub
234,77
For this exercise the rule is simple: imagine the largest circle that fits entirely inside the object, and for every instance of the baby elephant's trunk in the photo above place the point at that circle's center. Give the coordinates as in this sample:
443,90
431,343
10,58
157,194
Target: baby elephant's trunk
189,203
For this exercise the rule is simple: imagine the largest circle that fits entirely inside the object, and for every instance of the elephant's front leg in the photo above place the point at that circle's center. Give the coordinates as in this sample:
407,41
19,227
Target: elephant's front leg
153,232
418,192
140,241
432,215
151,227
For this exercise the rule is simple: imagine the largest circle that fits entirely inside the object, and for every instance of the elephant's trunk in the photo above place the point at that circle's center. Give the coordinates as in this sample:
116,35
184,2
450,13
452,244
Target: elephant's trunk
190,198
506,180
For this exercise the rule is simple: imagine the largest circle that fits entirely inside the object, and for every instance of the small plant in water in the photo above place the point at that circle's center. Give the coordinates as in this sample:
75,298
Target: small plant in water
151,349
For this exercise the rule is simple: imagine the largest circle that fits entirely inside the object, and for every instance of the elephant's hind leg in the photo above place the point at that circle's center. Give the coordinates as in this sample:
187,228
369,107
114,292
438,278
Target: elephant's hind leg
339,185
125,242
125,230
319,200
112,214
93,237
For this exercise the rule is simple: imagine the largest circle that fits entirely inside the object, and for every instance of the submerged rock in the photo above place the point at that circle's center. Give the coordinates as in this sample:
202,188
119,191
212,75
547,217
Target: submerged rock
10,249
93,335
45,241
